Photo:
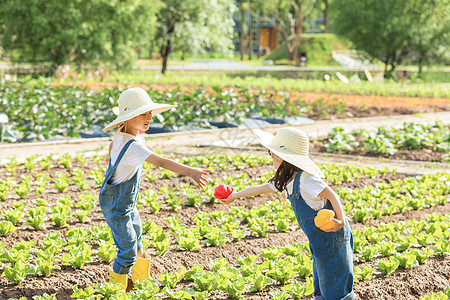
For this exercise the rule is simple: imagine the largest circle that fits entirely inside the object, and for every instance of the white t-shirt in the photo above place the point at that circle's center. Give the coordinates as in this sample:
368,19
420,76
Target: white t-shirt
135,155
310,188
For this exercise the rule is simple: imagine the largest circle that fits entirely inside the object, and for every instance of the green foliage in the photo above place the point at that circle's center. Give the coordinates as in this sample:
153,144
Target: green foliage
77,256
416,27
19,271
64,32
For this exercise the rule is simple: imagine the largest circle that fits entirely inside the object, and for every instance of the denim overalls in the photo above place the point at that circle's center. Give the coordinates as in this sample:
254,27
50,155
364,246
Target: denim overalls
118,203
332,252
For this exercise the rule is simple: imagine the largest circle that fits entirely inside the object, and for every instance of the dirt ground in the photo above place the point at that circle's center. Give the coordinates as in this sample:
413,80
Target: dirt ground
403,284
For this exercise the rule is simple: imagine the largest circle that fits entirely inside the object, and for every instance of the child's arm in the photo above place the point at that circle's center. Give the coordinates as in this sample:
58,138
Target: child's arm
336,203
197,174
249,192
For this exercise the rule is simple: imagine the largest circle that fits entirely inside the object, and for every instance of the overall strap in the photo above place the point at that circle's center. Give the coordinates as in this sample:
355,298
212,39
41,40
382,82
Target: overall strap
296,186
121,154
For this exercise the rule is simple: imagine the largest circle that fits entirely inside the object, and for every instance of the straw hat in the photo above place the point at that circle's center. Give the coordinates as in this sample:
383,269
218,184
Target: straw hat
292,145
133,102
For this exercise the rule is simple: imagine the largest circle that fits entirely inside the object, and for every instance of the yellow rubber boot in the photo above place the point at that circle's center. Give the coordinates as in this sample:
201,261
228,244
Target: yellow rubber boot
118,278
141,269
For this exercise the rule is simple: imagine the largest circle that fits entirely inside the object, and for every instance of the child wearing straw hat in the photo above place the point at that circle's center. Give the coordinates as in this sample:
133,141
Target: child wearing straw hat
301,178
120,187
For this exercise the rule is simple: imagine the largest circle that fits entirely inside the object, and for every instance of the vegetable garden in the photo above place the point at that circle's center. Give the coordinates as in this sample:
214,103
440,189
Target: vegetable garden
54,242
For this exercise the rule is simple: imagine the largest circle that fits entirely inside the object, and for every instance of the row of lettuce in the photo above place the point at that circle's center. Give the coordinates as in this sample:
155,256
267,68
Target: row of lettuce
387,248
389,140
220,227
38,110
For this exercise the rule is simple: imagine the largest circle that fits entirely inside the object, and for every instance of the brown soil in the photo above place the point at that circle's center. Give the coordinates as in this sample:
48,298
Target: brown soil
403,284
360,101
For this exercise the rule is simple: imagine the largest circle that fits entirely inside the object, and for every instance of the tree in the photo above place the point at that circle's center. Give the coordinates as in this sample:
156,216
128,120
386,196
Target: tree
192,25
211,30
393,29
67,31
287,17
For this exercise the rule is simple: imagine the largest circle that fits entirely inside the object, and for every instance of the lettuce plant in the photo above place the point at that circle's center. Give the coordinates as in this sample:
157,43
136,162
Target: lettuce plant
98,175
259,281
107,251
422,255
259,225
19,271
442,248
107,290
11,165
388,266
6,227
37,217
182,295
170,279
282,272
189,241
217,264
88,293
30,162
215,237
66,160
363,273
23,189
61,182
60,215
387,248
161,246
278,295
79,178
146,289
297,289
407,260
206,282
272,253
196,270
45,266
77,256
234,288
5,187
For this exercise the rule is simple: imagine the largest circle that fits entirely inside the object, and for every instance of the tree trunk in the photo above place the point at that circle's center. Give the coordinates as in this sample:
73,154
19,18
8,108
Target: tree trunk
259,33
325,16
242,32
150,50
250,33
165,51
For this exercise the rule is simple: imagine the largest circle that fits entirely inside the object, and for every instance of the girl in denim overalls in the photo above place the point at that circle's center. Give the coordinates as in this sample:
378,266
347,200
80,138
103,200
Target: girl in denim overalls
120,188
300,178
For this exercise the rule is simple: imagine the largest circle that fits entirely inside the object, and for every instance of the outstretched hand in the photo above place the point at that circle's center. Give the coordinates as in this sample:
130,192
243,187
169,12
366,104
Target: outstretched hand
199,175
230,198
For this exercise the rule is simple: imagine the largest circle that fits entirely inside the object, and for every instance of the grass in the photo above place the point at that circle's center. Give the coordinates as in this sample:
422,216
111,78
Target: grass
278,81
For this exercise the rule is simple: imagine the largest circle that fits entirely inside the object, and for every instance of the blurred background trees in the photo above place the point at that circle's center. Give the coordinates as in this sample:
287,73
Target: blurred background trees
113,33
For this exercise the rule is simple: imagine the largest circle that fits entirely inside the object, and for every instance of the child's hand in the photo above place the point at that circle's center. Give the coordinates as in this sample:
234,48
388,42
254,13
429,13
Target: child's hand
199,175
338,224
231,198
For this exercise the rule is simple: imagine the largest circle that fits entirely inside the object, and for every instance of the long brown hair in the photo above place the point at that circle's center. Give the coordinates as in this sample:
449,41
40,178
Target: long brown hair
283,174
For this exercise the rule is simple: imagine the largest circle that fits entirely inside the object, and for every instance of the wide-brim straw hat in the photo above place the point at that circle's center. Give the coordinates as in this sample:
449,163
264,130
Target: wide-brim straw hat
133,102
292,145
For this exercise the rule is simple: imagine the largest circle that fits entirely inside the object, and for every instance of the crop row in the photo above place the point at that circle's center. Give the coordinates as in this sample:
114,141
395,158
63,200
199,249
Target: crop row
47,111
392,246
218,227
387,140
385,88
397,196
